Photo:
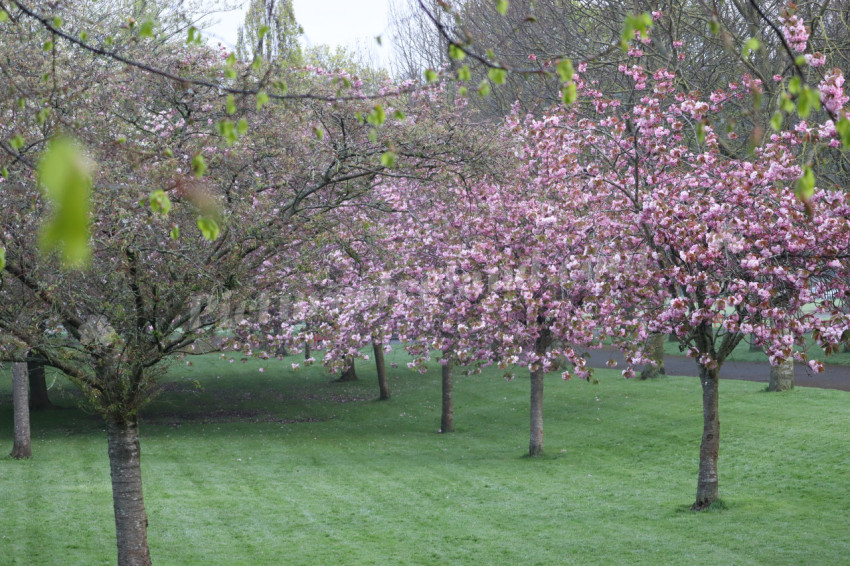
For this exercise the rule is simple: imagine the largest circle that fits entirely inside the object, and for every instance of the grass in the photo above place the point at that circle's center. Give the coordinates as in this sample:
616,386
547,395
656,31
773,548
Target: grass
286,467
742,353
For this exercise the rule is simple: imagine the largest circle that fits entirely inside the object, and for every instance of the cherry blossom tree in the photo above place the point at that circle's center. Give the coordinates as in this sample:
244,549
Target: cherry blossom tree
725,243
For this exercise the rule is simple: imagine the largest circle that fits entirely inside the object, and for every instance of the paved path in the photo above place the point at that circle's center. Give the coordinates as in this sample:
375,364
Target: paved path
833,376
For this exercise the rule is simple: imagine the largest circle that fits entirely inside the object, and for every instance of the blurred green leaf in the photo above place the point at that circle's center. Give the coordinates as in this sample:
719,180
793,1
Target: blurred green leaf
65,175
806,184
146,29
208,227
750,45
199,165
570,93
502,6
160,203
498,76
262,99
843,129
388,159
456,52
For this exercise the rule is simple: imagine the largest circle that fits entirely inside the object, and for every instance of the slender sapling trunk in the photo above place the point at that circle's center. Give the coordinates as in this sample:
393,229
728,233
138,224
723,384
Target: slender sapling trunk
382,371
131,520
21,448
447,418
39,400
707,483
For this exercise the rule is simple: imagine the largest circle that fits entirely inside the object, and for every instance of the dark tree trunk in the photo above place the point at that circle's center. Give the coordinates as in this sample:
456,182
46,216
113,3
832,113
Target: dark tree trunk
39,401
382,371
707,484
307,352
21,447
782,376
535,444
447,418
349,374
655,349
131,520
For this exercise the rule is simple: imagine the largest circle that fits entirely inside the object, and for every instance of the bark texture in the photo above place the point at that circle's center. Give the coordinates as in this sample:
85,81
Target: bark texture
655,348
39,400
382,371
782,376
707,483
447,418
21,447
131,520
349,374
535,443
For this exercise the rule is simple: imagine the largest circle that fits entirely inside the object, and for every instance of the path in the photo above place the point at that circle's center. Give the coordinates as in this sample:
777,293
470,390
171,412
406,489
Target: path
833,376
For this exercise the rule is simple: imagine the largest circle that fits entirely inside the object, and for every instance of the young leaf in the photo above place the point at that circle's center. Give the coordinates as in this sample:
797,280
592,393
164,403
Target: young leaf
807,101
751,44
484,89
4,16
263,31
377,116
701,132
430,75
230,105
242,126
199,165
456,53
806,184
175,233
570,93
388,159
262,99
65,176
464,74
17,142
502,6
565,70
2,259
776,121
160,203
843,129
208,227
794,85
146,29
498,76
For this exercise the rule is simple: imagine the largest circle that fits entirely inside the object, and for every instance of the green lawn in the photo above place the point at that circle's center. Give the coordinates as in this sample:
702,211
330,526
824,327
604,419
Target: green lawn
285,467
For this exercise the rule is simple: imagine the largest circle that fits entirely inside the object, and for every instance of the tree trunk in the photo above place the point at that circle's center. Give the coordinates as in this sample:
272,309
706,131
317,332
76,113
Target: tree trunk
307,352
782,376
655,349
707,484
131,520
535,444
21,447
447,419
39,401
382,371
349,374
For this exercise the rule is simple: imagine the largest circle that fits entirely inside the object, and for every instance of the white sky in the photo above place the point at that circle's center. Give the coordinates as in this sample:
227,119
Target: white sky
333,22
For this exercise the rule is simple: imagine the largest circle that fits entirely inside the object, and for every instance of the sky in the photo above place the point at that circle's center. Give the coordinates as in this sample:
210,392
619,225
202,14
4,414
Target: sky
334,22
